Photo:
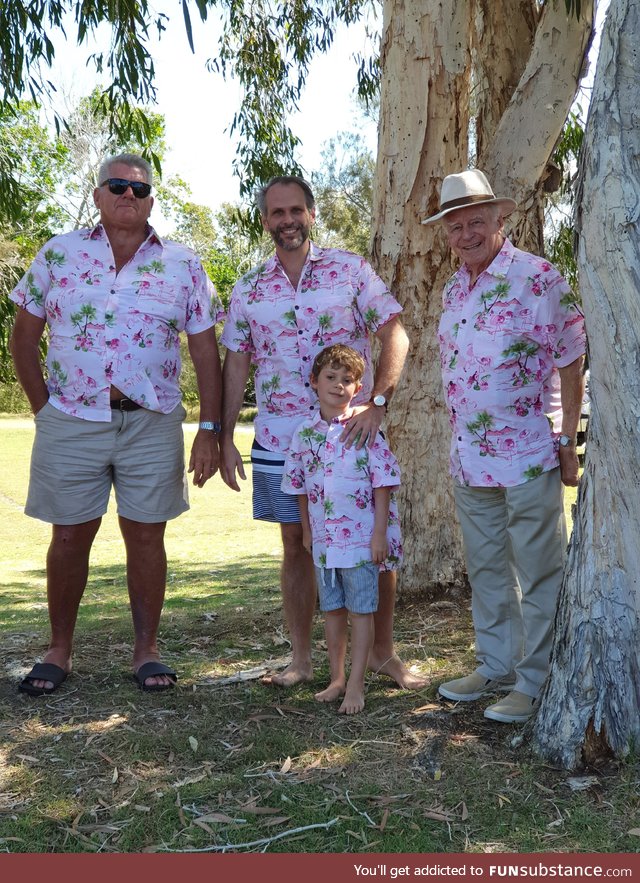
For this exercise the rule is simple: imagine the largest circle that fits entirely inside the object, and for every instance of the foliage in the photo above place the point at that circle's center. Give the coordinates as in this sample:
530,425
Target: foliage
560,238
85,141
344,191
31,161
267,47
26,48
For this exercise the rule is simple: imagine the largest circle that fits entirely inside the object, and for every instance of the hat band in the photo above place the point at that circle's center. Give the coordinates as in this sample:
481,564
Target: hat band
466,200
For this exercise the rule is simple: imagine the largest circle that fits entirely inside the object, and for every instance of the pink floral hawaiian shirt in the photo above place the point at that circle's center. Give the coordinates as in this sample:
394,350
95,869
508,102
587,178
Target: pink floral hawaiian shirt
339,299
120,329
501,344
339,482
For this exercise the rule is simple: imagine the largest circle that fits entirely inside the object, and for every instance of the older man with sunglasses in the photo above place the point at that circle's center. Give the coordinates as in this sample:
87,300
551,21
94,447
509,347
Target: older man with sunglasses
114,300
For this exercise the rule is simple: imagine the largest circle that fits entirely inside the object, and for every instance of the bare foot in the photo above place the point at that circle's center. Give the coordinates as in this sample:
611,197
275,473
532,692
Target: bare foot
334,691
393,667
292,675
353,701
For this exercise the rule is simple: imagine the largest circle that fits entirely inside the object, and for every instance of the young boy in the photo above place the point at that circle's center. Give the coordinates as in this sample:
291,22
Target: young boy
349,518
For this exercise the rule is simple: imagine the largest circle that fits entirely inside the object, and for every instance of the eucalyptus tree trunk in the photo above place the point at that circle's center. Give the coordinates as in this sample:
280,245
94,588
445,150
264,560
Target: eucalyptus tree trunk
591,704
423,134
427,81
516,159
503,35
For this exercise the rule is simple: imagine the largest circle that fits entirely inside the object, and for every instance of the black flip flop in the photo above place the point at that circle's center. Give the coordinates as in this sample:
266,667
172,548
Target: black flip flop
43,671
150,670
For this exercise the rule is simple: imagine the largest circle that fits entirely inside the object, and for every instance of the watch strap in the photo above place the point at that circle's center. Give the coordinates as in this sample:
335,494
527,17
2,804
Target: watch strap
210,425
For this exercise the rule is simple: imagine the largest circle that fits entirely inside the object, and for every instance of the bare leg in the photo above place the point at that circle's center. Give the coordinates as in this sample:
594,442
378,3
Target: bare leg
335,630
383,658
146,580
298,584
361,641
67,571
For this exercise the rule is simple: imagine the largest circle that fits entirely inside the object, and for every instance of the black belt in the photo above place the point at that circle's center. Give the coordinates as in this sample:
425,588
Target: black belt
124,405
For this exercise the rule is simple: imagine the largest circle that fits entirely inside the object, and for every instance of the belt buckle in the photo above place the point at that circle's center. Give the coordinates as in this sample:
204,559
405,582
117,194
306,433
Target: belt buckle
122,404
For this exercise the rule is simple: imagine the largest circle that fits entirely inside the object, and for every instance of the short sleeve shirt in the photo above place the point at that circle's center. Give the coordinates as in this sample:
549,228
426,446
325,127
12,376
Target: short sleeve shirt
339,483
501,344
339,299
121,330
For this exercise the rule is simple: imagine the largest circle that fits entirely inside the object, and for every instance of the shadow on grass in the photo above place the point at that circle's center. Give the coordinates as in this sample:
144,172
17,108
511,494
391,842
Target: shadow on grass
101,766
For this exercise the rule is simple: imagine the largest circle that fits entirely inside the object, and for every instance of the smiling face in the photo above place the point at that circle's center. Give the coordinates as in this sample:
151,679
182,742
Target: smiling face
125,212
475,235
287,217
336,385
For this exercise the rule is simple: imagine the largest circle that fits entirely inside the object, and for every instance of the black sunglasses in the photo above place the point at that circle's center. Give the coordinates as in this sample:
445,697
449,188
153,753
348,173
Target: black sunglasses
118,186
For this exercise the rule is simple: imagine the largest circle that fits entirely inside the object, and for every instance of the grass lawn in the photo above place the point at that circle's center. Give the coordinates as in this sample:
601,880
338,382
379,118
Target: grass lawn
100,766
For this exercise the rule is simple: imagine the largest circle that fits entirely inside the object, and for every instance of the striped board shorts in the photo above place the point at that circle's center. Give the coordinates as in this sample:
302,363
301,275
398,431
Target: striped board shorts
270,503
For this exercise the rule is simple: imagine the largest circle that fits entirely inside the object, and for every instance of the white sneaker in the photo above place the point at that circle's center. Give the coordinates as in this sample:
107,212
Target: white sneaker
513,709
474,686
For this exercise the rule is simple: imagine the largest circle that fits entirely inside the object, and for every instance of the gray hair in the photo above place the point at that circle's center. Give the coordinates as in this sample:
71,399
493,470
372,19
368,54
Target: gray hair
126,159
261,192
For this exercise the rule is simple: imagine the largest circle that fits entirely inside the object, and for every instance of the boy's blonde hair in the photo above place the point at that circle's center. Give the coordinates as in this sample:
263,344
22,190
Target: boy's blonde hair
339,356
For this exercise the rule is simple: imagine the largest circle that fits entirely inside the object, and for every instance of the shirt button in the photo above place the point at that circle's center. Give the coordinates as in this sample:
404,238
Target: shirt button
299,331
464,321
307,383
459,438
297,307
455,352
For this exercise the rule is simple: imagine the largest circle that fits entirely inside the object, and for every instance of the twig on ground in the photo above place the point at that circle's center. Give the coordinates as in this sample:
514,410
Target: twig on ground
363,814
265,841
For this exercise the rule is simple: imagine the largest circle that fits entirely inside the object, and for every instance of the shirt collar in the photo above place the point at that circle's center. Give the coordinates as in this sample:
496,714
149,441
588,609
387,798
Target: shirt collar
99,232
314,254
342,419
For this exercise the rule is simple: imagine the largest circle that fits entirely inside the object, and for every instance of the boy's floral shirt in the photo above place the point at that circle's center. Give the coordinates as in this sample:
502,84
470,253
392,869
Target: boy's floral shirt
501,344
339,299
116,330
339,482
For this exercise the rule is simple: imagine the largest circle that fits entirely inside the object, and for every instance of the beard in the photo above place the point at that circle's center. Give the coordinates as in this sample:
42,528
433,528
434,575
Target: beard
291,244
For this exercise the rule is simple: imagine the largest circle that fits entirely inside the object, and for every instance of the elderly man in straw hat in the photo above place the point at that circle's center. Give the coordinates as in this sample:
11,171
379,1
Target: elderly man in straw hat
512,344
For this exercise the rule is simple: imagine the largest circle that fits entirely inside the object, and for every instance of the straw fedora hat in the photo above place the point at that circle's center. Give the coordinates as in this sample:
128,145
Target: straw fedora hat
465,189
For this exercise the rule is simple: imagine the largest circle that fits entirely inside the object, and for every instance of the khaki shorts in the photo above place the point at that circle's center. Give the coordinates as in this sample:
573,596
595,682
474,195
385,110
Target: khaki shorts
75,463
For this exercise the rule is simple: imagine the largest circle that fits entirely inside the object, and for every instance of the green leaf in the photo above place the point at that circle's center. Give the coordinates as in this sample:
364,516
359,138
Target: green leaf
187,24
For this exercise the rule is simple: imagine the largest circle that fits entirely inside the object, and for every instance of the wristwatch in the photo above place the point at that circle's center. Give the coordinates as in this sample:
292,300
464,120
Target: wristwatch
211,426
380,401
566,441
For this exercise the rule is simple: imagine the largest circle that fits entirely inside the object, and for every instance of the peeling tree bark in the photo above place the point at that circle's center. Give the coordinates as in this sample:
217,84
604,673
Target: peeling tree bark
427,80
591,703
532,123
424,126
504,33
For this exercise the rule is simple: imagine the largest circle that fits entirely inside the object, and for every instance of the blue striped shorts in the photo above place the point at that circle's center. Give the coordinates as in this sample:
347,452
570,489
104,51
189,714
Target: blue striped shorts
270,503
355,588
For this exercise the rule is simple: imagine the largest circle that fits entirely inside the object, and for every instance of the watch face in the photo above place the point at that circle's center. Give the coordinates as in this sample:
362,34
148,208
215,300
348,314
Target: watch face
380,401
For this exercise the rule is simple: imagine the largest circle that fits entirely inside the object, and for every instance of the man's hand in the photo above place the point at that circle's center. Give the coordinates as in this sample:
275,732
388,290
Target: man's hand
230,461
306,540
569,465
363,427
205,457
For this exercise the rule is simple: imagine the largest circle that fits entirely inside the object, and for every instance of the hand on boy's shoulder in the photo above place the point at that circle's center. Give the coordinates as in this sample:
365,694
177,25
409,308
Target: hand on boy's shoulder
363,426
